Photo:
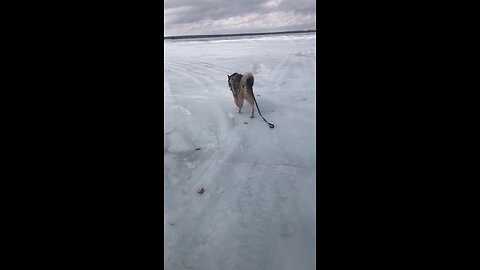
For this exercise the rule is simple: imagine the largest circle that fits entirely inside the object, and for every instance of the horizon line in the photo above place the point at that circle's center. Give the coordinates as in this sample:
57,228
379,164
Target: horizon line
238,34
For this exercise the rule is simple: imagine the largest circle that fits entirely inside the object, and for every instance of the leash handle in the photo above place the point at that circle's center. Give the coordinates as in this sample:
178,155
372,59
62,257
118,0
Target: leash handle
259,112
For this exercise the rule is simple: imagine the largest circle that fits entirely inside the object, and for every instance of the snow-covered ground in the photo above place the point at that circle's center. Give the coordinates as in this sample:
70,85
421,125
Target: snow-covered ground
258,208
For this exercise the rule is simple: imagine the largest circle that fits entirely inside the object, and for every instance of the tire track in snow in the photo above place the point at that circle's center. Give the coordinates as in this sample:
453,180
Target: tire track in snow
193,80
203,73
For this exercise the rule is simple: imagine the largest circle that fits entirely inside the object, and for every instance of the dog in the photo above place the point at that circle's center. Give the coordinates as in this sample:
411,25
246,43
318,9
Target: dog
242,88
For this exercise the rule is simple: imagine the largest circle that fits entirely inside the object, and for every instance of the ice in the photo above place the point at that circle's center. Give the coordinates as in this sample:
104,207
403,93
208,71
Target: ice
258,208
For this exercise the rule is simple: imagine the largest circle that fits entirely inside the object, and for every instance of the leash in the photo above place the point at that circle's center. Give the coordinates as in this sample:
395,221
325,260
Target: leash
269,124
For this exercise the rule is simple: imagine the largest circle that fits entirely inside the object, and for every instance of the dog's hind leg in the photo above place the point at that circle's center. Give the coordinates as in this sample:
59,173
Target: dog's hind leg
239,102
251,103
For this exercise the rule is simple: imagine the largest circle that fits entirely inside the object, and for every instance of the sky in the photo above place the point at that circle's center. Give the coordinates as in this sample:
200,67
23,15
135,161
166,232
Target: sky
204,17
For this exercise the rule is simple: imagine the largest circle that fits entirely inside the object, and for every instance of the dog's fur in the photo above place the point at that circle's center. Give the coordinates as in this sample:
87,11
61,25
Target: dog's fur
242,88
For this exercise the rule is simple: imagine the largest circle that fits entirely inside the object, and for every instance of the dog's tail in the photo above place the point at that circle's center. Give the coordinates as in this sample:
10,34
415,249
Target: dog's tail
247,79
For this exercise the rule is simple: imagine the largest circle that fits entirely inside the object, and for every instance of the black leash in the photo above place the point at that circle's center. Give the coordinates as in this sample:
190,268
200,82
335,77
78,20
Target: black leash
269,124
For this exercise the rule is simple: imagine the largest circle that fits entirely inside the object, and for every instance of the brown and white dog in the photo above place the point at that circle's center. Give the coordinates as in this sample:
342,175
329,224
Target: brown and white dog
242,88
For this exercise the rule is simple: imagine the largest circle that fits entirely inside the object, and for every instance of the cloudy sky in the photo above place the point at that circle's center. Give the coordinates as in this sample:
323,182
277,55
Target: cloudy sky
197,17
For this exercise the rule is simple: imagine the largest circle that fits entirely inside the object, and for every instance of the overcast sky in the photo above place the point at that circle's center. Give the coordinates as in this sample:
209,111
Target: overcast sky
197,17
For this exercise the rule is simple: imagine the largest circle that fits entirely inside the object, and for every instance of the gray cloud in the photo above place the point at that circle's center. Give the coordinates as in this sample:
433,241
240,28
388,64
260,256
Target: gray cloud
196,17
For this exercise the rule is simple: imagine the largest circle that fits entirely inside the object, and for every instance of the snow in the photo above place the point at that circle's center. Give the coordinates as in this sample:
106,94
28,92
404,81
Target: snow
258,208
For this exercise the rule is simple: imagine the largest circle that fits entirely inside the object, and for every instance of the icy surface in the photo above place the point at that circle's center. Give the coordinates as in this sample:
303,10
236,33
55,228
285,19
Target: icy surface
258,207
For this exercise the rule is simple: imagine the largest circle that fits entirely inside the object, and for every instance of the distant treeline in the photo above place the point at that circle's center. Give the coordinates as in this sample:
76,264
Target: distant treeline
237,35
